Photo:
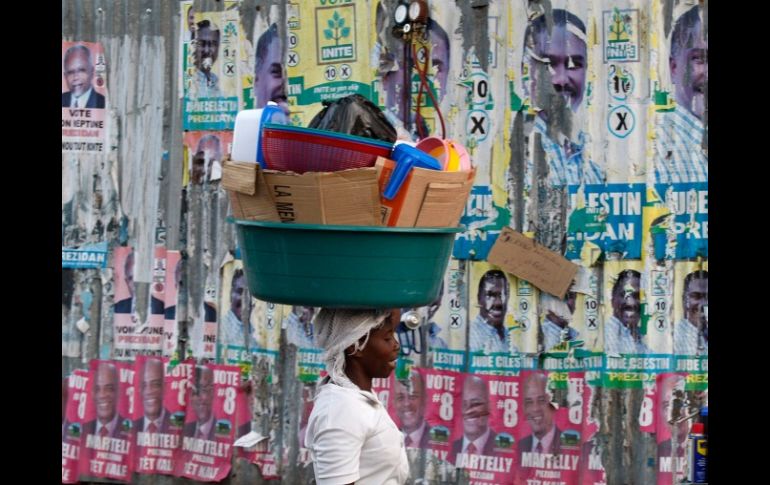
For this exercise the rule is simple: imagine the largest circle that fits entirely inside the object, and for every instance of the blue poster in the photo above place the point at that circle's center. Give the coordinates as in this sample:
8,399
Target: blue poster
211,79
483,221
89,256
620,207
689,205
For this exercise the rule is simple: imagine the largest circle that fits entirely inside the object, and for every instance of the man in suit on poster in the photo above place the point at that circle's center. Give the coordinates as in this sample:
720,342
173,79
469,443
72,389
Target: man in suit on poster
79,75
478,437
410,408
201,405
156,418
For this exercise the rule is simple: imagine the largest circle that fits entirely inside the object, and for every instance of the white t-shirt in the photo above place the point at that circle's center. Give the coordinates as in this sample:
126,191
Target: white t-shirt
351,438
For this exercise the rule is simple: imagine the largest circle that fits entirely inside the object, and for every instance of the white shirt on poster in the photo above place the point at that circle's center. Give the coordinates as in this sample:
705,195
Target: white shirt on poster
479,443
546,442
416,436
80,101
110,426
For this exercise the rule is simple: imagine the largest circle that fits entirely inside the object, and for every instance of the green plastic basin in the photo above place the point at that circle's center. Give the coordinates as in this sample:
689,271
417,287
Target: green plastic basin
344,266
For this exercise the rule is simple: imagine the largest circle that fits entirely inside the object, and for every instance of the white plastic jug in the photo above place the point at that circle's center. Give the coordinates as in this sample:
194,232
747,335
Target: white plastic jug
248,132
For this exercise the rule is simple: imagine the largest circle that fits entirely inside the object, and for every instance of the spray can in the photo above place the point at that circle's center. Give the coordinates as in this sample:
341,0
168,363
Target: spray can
697,456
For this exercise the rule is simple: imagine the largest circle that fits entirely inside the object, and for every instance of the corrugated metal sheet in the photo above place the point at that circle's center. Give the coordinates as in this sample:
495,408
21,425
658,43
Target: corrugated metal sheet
132,194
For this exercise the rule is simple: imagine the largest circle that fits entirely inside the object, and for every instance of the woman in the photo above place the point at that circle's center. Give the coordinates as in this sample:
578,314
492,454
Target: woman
350,434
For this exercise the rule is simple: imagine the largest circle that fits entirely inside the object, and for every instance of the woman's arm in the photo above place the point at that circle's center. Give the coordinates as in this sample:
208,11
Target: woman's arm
337,455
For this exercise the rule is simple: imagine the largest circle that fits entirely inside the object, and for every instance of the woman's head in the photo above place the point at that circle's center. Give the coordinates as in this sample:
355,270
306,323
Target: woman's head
360,340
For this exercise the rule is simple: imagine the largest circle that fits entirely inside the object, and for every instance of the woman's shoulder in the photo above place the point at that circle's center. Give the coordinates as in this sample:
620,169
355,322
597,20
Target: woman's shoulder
342,403
338,394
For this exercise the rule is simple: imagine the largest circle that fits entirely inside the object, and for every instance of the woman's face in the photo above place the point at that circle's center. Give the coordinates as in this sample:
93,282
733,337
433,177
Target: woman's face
378,359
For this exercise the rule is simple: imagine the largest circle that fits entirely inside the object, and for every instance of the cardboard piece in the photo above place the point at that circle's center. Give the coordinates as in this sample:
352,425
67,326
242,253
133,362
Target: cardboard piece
427,198
348,197
249,194
526,259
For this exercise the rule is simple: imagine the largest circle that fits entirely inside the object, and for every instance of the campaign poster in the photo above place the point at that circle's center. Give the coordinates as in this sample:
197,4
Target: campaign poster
106,442
549,436
72,424
205,152
158,416
211,83
84,98
485,450
209,430
442,410
447,319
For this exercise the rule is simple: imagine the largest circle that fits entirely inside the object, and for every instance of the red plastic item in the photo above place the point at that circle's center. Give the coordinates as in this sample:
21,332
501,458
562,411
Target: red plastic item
300,150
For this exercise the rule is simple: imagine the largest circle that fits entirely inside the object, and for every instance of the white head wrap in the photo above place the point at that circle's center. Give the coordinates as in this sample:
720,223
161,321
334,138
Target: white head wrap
338,329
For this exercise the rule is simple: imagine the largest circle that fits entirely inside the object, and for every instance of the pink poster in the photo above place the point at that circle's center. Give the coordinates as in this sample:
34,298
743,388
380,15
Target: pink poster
83,98
264,458
488,418
171,291
581,396
260,454
242,421
131,336
383,389
157,428
124,319
157,303
209,429
647,419
406,405
671,430
206,151
308,392
442,408
177,379
106,439
549,438
72,424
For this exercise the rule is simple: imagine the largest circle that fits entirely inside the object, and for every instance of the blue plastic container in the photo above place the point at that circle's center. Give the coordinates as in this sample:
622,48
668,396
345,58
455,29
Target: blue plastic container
407,157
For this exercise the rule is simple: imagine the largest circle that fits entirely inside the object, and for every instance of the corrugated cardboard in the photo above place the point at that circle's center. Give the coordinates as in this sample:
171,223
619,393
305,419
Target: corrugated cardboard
348,197
427,198
249,194
526,259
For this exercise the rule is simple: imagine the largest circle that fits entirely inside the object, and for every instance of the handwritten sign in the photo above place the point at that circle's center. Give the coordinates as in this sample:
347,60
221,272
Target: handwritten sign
526,259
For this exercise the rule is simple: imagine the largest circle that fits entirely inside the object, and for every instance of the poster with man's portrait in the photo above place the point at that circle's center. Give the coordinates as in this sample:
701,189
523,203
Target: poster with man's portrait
548,437
502,318
691,322
485,447
205,153
211,83
125,319
106,441
209,430
680,155
83,98
156,416
236,338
